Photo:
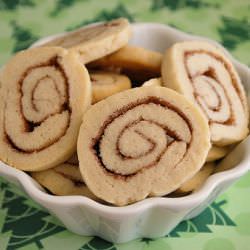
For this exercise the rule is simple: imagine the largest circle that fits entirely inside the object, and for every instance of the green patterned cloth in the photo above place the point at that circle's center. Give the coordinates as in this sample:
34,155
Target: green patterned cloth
225,224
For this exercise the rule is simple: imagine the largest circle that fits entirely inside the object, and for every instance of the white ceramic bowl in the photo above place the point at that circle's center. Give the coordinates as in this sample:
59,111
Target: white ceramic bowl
152,217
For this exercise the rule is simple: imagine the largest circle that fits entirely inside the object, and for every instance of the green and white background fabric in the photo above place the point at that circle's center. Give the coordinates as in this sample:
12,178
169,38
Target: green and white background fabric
225,224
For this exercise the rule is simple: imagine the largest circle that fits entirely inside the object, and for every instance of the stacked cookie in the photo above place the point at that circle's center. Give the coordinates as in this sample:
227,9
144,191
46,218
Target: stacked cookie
143,124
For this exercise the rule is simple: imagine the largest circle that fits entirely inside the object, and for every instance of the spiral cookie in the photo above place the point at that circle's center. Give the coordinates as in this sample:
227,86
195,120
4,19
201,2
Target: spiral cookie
136,62
197,180
216,153
140,142
45,92
205,76
96,41
105,84
153,82
64,179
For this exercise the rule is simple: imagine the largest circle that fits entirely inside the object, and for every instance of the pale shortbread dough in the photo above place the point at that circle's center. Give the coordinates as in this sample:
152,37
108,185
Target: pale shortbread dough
141,142
138,63
203,74
95,41
45,92
105,84
65,179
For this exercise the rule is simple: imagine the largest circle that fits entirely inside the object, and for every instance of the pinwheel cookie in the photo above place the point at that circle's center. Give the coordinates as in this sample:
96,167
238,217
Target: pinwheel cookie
216,153
202,73
45,92
138,63
65,179
141,142
153,82
105,84
95,41
197,180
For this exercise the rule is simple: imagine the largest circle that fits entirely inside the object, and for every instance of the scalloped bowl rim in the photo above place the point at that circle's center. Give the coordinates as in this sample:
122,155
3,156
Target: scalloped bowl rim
176,203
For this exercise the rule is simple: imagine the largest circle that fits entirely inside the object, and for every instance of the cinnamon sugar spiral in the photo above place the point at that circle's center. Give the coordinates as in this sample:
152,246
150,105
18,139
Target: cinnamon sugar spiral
41,101
141,142
204,74
137,137
38,115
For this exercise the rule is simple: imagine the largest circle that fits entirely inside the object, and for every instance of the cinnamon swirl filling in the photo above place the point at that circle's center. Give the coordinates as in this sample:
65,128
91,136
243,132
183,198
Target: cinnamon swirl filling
140,142
45,92
42,100
142,139
203,74
209,89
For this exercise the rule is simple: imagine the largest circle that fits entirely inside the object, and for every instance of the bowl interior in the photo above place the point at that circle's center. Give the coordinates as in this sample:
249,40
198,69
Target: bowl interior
155,37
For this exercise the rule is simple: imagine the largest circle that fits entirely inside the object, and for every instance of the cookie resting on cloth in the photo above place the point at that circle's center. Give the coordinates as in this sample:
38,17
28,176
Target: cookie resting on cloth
95,41
141,142
45,92
203,74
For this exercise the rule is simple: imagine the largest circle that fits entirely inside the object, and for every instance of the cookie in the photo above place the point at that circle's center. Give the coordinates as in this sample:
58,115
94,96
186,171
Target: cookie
197,180
105,84
45,93
202,73
95,41
73,160
153,82
65,179
141,142
216,153
138,63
